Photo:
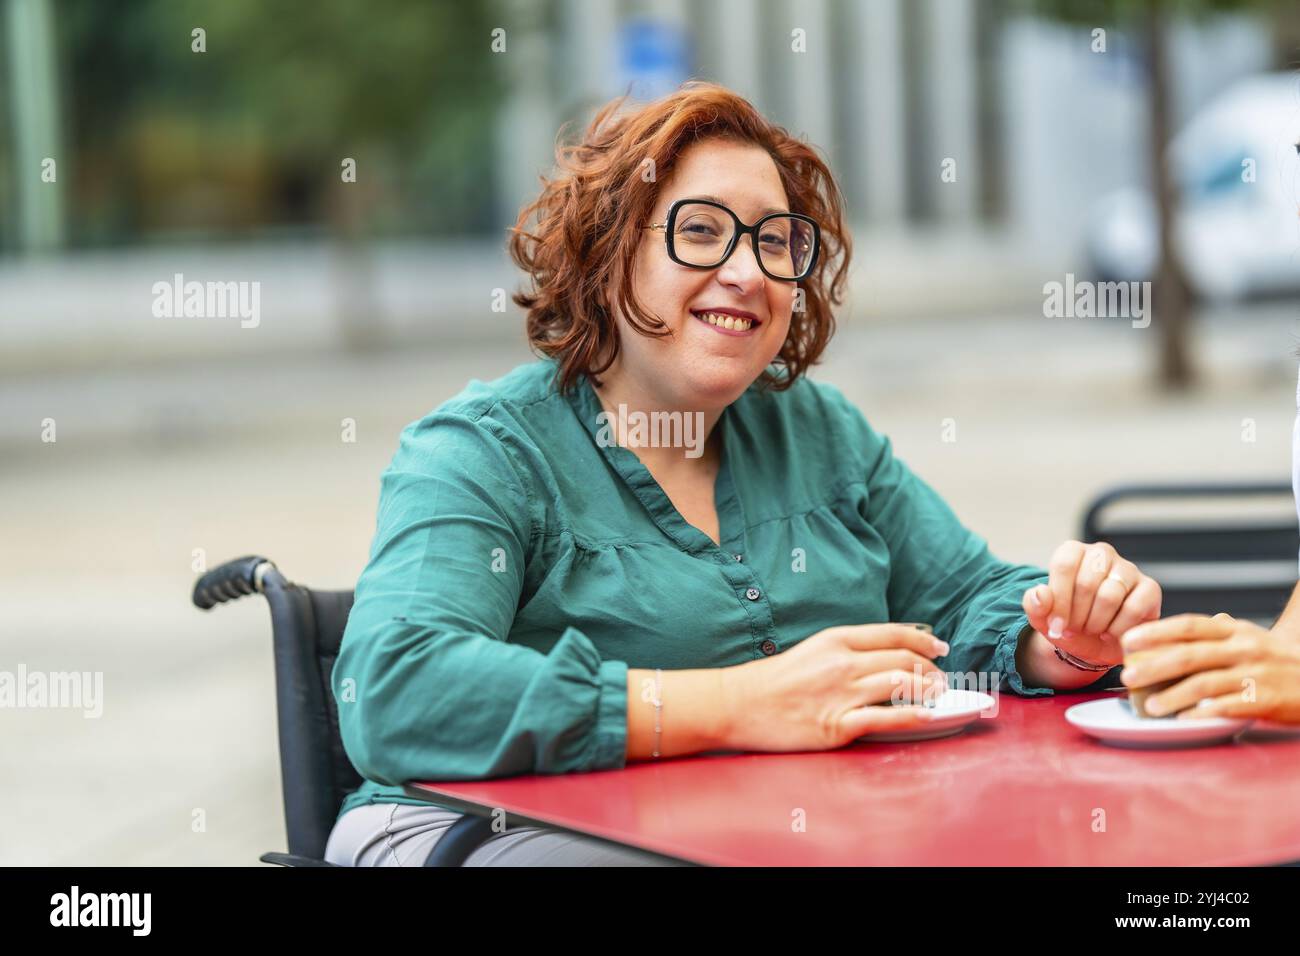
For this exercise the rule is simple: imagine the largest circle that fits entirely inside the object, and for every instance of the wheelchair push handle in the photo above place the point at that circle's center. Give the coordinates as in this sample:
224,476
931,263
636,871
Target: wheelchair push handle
231,581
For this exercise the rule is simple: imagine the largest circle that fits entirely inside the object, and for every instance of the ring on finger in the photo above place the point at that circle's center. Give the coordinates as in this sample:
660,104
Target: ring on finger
1116,576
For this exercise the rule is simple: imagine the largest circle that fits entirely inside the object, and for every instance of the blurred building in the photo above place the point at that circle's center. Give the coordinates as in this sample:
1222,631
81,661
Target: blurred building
968,136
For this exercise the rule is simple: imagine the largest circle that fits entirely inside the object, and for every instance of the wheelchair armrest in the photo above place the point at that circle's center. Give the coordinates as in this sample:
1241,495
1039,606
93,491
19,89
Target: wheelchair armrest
461,839
292,859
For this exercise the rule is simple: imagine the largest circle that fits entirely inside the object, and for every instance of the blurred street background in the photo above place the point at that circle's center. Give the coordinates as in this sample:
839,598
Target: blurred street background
986,149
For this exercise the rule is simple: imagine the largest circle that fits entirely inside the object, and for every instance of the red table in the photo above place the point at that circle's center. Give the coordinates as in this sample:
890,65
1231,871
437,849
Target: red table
1023,788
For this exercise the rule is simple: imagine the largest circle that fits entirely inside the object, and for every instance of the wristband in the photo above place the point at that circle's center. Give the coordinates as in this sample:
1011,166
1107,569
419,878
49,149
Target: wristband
1079,663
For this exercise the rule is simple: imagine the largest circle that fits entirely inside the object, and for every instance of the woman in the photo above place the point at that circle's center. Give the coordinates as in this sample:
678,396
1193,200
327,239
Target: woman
552,588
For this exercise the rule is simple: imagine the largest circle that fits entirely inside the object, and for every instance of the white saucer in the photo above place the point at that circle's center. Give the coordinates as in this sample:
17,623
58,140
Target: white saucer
1112,721
954,709
1273,730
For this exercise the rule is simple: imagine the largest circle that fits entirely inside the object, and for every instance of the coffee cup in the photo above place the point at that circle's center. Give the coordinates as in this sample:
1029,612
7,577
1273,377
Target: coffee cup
1137,696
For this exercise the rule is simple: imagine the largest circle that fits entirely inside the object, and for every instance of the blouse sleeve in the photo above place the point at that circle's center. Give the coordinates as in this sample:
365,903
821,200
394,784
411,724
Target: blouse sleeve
426,683
942,573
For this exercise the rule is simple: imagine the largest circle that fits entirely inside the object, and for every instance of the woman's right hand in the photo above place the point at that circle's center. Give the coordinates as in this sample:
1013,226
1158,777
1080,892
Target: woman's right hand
825,691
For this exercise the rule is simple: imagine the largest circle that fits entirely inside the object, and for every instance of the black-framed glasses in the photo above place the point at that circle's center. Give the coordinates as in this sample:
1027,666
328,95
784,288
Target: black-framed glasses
702,234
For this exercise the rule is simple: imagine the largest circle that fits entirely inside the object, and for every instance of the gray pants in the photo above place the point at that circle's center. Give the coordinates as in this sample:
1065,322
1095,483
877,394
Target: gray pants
395,834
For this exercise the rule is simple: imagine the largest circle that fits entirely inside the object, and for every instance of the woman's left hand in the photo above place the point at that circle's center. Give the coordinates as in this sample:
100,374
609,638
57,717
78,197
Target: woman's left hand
1236,668
1092,596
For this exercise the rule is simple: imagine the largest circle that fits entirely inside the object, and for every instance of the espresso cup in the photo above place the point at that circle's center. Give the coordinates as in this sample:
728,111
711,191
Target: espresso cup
1137,696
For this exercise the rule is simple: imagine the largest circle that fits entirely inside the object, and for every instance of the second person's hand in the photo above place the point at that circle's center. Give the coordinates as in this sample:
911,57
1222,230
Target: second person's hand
1223,667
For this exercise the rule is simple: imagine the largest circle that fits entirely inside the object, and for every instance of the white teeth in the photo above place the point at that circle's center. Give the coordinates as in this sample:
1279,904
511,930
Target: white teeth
726,321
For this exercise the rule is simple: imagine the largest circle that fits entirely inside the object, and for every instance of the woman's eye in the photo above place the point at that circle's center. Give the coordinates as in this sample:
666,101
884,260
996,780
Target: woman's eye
698,229
772,239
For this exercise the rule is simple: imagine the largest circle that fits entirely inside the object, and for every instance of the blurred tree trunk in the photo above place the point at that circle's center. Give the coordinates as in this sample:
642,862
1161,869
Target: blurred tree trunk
1171,294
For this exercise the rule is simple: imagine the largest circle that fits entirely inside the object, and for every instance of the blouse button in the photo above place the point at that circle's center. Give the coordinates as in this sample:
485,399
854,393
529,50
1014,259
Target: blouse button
738,557
753,594
768,648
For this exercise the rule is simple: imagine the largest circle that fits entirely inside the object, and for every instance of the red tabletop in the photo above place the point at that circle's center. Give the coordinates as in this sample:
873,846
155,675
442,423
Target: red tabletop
1024,788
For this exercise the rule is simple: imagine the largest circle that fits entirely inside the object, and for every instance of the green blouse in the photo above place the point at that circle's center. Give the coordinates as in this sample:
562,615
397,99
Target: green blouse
520,567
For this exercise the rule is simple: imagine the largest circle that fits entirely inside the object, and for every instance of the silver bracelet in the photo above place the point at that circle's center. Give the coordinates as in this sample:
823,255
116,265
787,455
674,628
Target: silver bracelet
659,704
1079,662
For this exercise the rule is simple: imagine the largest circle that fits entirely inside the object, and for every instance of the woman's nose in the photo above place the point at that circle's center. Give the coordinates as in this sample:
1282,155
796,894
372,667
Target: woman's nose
741,269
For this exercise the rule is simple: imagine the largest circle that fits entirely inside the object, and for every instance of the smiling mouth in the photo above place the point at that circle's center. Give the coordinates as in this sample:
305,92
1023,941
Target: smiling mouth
728,324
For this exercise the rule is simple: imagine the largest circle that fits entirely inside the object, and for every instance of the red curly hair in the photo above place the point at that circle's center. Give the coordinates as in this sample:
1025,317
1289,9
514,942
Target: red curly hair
589,214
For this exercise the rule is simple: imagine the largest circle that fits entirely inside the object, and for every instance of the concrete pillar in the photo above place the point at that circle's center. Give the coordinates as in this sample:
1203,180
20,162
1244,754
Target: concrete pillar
951,113
34,102
876,168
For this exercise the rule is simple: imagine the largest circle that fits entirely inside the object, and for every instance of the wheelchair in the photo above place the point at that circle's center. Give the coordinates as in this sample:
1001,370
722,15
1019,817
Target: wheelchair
316,774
